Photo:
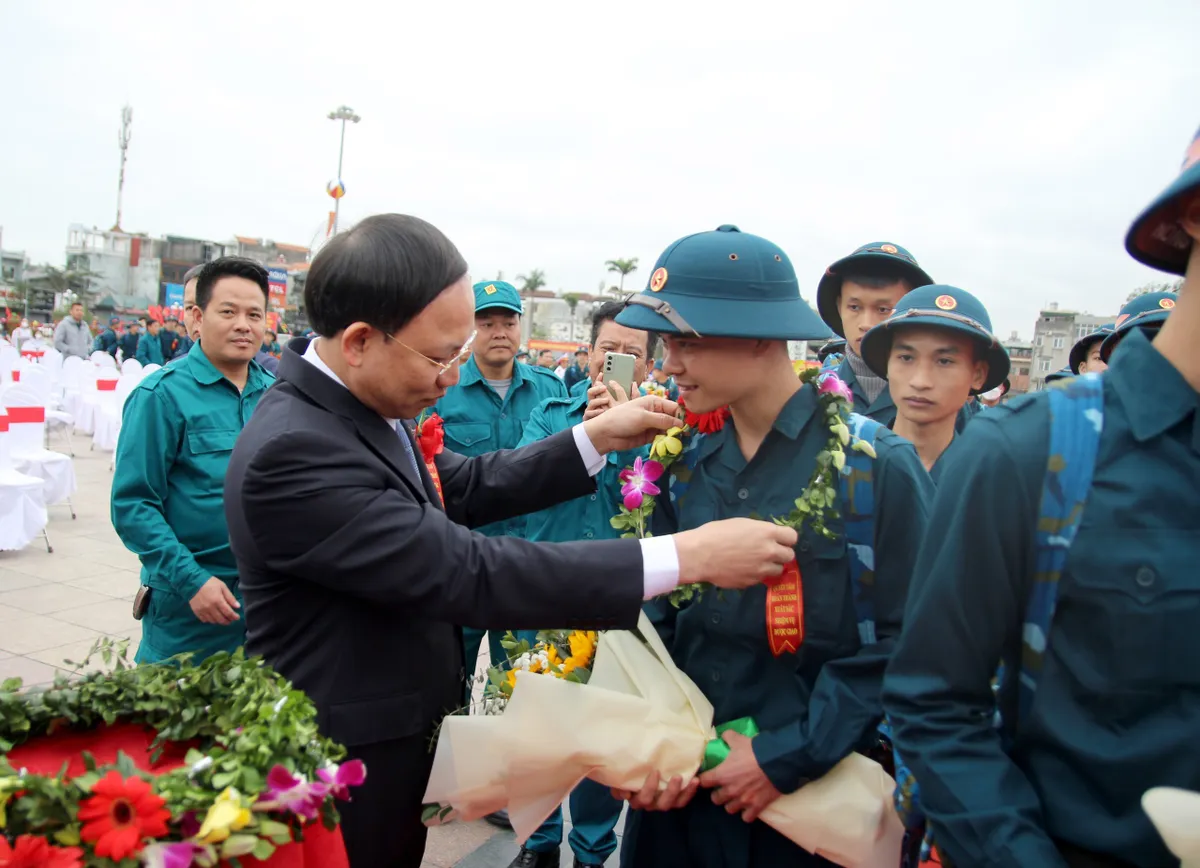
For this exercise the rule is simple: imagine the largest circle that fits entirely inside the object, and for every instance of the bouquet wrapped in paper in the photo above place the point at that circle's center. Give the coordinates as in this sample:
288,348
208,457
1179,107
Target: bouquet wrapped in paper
637,714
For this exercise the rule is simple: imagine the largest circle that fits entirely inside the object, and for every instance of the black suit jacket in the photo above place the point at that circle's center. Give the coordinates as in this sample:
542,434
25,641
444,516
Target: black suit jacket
354,577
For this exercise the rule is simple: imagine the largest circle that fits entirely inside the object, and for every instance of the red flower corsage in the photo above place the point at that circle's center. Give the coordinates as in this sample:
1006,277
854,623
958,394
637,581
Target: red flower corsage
706,423
431,436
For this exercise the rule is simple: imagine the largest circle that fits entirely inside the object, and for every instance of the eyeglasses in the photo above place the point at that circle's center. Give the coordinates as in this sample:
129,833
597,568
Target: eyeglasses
441,366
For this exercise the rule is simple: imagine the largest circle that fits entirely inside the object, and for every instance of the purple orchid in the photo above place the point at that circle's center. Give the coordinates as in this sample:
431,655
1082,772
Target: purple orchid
178,854
342,778
292,793
639,481
832,384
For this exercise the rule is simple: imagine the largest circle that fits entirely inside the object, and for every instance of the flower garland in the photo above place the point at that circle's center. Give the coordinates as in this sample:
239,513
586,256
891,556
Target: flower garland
815,503
258,773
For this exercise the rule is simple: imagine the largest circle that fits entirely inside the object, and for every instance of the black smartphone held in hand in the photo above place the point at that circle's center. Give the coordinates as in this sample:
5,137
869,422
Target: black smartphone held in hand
618,367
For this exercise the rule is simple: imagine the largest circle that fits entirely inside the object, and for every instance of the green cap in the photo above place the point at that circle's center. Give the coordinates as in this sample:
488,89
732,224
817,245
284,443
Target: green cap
497,293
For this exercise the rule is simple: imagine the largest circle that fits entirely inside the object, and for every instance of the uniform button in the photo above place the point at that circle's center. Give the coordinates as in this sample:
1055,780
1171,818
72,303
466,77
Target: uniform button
1145,577
804,545
589,534
503,415
716,617
593,497
743,493
716,675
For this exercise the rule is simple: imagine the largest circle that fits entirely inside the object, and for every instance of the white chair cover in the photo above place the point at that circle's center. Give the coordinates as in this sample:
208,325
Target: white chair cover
150,369
27,433
130,366
103,359
108,409
22,506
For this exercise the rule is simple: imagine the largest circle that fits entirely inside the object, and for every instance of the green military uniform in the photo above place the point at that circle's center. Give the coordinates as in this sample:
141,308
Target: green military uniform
815,706
1115,707
1083,346
945,307
594,812
178,429
477,421
149,349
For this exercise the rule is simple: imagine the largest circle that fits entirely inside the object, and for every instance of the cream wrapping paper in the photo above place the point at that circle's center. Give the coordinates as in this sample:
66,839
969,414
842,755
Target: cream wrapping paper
638,713
1176,816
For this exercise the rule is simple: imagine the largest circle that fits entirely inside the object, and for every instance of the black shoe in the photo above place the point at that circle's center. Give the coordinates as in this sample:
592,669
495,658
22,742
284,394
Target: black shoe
533,859
499,818
579,864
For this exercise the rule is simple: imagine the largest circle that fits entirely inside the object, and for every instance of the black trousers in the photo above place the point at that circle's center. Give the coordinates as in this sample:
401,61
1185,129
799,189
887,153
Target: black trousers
382,823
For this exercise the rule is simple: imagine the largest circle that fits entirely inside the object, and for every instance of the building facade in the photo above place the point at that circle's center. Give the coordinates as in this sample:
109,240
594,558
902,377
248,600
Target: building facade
1020,355
1054,333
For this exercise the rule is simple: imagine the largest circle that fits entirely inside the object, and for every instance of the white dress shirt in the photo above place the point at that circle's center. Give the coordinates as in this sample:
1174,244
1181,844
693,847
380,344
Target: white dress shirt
660,560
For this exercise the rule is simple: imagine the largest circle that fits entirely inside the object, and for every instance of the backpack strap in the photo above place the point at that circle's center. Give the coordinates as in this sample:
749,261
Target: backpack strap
857,495
1076,422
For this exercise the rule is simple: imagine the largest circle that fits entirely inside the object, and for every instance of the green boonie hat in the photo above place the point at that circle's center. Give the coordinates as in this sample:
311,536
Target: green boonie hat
877,259
943,307
1060,374
1156,238
1146,312
724,283
497,293
1083,346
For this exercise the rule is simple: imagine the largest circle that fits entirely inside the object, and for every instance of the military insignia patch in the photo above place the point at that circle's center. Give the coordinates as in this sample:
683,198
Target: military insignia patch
1166,303
888,248
946,302
490,289
658,279
1121,319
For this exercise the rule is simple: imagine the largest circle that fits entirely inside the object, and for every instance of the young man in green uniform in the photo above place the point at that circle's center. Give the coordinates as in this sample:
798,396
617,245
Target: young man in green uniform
149,347
488,408
108,341
727,303
1077,572
936,350
129,340
1085,355
594,811
178,429
1145,314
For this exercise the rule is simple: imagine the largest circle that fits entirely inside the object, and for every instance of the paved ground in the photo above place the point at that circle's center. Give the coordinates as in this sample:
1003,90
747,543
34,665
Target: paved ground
54,606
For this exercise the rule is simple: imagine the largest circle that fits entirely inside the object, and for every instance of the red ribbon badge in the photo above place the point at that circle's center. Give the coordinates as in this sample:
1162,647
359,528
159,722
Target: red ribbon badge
785,611
431,437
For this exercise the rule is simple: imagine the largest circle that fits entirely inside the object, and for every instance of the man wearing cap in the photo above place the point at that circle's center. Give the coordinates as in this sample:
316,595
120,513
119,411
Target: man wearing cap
489,406
662,383
1146,314
108,341
835,348
936,350
579,371
1085,355
727,303
168,336
1077,570
1059,375
129,340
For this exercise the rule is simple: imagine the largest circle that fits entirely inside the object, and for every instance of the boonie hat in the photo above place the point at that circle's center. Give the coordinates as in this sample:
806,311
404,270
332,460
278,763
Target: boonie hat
1156,238
1083,346
1147,312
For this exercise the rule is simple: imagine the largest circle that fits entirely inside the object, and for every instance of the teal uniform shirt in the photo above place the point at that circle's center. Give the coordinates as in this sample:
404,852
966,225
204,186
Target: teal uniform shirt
816,706
177,431
1117,708
149,350
477,421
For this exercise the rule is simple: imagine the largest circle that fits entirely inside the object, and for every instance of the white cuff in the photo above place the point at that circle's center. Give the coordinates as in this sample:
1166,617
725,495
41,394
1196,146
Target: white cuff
592,460
660,566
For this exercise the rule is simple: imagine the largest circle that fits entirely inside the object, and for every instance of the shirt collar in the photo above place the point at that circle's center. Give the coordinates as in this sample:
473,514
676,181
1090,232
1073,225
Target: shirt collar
1156,397
206,374
313,358
790,422
469,374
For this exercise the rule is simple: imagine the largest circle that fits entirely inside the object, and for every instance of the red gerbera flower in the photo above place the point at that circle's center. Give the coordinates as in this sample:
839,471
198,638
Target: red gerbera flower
120,813
31,852
706,423
431,435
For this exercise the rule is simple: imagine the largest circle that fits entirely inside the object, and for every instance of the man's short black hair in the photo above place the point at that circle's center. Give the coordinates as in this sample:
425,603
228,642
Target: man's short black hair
192,273
229,266
607,312
544,352
384,271
75,304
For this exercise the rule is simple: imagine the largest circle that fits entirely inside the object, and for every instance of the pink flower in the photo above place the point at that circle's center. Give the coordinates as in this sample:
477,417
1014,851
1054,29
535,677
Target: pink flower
341,778
639,481
831,384
291,793
180,854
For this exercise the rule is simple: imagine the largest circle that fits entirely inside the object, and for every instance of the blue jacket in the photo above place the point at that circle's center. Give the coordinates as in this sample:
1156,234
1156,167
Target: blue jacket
1117,708
149,350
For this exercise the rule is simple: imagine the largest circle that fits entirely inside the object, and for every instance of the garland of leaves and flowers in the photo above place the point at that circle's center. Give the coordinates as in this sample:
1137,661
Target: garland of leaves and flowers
815,503
258,773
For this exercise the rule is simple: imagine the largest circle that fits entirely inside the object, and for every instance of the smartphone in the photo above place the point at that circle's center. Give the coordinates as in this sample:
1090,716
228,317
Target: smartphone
619,367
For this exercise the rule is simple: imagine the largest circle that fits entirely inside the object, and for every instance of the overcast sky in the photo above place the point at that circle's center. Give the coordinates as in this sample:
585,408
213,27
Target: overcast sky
1007,145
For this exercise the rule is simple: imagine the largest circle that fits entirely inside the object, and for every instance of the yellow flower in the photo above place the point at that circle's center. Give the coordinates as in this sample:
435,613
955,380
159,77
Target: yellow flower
552,658
226,815
667,444
583,646
512,678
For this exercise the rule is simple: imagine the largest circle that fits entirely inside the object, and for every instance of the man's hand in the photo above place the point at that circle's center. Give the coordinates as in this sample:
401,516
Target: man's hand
734,553
650,798
632,424
740,784
214,603
601,399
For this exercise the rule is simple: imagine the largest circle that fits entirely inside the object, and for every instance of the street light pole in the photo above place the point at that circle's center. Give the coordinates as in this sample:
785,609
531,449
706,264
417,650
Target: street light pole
343,114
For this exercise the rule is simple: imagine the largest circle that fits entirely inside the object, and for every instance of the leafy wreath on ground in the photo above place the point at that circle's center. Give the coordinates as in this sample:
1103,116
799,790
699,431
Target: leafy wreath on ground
256,773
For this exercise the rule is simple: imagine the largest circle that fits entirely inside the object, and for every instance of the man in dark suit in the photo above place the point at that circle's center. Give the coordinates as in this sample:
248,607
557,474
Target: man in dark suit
353,570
